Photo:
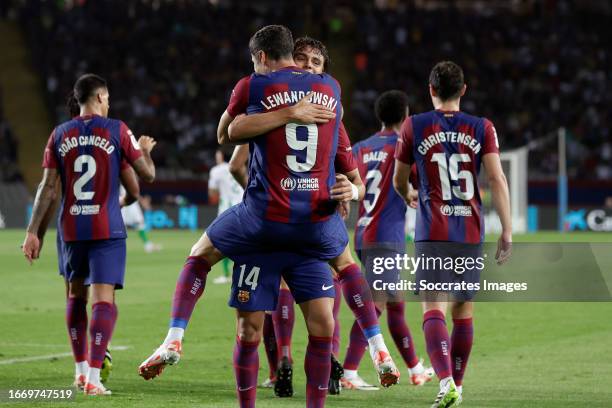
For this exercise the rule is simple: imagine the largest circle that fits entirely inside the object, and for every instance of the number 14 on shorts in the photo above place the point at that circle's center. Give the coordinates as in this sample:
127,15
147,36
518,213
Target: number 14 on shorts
251,277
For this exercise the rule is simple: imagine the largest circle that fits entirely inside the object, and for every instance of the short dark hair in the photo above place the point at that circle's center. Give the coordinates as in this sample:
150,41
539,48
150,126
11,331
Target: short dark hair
306,41
275,40
391,107
83,89
446,78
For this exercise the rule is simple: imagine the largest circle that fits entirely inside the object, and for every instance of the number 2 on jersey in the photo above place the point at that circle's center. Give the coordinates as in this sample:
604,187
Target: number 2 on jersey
310,144
90,163
452,169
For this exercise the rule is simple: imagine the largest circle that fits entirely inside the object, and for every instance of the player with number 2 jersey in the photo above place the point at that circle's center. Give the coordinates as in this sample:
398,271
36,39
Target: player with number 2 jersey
85,154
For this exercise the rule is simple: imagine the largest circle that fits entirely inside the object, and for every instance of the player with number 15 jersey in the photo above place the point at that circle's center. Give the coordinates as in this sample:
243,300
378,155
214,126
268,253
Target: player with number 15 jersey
447,148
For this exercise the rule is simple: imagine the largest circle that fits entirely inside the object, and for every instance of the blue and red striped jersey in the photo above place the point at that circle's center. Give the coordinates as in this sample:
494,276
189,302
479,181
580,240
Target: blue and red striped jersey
88,152
382,213
447,148
291,168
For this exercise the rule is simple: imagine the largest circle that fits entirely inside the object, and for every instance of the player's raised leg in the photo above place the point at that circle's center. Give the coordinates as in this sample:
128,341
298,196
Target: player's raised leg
358,297
354,353
189,288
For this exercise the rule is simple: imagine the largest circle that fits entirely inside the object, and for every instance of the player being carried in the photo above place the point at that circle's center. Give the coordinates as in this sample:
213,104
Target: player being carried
310,55
448,147
290,206
86,153
380,234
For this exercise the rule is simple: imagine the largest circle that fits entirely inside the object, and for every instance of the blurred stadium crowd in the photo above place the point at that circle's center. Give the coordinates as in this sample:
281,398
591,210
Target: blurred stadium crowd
9,170
531,66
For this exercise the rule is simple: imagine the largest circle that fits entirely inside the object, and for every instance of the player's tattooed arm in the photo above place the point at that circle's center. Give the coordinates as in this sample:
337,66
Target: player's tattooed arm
304,112
501,202
238,164
144,166
44,224
45,196
132,188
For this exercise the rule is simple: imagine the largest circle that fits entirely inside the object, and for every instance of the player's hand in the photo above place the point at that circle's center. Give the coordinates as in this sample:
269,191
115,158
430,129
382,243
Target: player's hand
413,198
307,112
146,143
344,209
342,190
31,247
504,248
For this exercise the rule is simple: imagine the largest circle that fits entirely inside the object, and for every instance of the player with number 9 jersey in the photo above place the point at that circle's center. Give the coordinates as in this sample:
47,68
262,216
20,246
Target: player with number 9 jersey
291,172
292,167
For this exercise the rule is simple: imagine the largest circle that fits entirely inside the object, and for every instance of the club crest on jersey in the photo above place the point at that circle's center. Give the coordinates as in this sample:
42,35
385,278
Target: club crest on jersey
456,210
243,296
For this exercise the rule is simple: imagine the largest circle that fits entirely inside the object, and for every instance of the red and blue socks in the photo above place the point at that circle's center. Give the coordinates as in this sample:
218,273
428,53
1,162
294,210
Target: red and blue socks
189,287
284,320
317,365
401,333
438,344
246,365
461,345
76,322
359,299
103,318
269,339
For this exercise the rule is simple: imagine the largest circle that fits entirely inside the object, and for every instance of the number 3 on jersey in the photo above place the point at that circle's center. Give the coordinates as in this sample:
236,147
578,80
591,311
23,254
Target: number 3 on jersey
90,164
310,144
373,179
452,169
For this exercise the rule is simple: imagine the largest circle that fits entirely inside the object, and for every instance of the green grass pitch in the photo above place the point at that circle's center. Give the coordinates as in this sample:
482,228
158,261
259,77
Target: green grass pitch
524,355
